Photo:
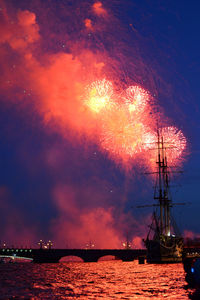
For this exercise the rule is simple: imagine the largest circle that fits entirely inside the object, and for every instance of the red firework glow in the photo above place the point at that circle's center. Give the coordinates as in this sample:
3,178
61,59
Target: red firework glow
74,93
174,142
127,125
136,99
99,95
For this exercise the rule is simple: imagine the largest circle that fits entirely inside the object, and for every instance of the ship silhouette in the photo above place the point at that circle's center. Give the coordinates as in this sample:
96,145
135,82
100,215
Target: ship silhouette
164,243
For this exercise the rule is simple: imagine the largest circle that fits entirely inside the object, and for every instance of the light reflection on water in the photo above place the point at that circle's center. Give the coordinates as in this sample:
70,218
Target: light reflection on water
102,280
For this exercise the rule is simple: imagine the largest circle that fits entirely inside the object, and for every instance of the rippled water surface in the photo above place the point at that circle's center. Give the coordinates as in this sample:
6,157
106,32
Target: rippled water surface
102,280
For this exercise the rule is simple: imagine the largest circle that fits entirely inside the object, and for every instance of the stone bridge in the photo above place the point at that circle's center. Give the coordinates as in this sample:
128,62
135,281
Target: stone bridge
87,255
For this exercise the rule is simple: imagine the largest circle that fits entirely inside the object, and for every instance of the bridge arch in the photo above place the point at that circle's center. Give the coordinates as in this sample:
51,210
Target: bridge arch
108,257
71,258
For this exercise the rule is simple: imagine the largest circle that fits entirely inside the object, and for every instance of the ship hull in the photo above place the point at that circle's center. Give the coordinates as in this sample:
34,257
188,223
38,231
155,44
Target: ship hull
166,250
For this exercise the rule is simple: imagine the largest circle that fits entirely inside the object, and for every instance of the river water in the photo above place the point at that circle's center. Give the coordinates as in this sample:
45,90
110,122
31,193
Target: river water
101,280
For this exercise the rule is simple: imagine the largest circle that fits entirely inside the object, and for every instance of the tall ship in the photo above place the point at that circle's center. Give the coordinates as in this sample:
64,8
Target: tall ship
163,242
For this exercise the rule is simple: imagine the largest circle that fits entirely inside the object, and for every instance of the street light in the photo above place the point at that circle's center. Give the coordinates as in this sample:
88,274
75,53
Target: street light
41,244
49,244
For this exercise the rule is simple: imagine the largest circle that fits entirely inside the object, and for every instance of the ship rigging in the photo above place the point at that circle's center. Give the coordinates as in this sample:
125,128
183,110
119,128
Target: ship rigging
164,245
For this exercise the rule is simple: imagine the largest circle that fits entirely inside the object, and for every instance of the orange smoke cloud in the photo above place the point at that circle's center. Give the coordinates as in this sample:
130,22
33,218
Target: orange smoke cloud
18,38
88,24
79,226
61,86
190,234
80,222
137,242
98,9
20,33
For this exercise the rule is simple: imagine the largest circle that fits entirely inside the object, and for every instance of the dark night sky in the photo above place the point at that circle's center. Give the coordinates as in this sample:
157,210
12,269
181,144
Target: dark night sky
55,186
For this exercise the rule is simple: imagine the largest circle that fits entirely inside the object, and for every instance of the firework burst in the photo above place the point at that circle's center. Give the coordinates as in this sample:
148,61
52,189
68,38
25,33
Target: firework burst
99,95
136,99
122,136
126,126
174,144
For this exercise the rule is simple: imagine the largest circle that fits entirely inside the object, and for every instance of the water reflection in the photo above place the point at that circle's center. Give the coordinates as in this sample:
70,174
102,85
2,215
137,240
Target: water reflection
102,280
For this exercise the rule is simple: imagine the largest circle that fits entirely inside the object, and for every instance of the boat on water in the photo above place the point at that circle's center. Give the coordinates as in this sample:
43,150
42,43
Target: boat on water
164,244
2,261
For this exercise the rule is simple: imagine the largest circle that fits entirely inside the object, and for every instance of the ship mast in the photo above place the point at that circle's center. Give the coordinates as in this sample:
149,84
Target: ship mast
163,246
163,194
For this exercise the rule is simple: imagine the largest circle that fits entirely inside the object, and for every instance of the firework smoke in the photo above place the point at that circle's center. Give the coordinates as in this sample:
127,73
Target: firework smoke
72,93
81,89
